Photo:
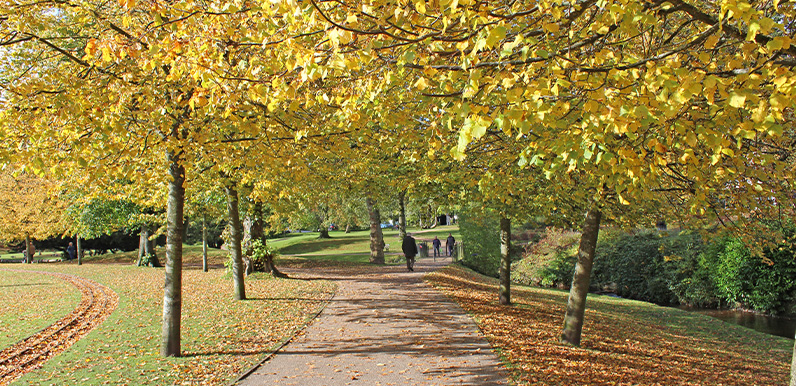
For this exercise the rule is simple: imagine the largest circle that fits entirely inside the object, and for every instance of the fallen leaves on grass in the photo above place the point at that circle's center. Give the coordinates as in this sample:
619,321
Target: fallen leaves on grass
30,302
221,337
624,341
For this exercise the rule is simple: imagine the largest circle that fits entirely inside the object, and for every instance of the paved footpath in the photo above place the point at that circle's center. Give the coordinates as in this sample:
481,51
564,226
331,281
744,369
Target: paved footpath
385,326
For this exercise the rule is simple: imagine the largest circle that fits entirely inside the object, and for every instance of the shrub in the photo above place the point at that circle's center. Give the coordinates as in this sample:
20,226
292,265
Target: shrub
548,262
481,237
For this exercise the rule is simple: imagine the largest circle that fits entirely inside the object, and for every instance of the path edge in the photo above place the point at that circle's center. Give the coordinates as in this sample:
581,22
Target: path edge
284,343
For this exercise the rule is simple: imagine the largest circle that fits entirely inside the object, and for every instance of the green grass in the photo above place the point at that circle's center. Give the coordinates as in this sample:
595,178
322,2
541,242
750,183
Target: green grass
354,246
221,337
30,302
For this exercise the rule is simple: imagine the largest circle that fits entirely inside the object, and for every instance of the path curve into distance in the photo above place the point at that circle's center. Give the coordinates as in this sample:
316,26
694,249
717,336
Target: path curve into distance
97,302
384,326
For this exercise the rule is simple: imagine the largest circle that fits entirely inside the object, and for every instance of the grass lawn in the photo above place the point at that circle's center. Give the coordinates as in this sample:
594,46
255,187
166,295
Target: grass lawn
342,244
22,311
624,341
353,248
221,337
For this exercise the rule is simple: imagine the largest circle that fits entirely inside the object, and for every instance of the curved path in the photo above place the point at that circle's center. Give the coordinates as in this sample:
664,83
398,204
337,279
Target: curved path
97,302
385,326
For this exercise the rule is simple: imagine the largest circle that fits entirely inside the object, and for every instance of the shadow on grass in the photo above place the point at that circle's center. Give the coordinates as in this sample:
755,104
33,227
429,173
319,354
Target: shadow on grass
318,245
24,285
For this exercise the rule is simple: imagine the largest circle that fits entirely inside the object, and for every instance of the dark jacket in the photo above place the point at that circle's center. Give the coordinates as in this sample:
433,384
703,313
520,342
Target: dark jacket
450,241
409,247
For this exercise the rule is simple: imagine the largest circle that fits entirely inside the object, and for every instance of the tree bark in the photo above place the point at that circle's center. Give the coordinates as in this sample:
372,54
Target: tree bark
28,250
793,367
204,242
324,232
236,234
172,294
79,251
347,228
376,236
576,305
505,261
148,248
258,233
141,245
402,215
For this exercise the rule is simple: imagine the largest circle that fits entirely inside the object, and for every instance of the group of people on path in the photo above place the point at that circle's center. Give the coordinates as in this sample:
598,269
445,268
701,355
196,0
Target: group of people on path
409,247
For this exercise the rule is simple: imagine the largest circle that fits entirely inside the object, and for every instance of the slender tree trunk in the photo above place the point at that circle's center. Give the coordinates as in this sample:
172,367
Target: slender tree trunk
142,243
376,236
793,367
204,242
505,261
28,250
79,251
402,215
236,234
347,228
172,294
576,305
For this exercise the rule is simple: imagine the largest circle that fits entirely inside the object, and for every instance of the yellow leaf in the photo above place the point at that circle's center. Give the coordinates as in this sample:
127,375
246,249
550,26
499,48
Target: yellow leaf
737,100
421,84
710,42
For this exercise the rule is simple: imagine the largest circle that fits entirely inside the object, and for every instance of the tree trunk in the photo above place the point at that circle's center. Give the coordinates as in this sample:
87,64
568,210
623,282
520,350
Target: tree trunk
150,250
236,233
576,305
79,251
172,294
258,233
376,236
28,250
793,367
204,242
347,228
324,233
148,247
505,261
402,215
142,240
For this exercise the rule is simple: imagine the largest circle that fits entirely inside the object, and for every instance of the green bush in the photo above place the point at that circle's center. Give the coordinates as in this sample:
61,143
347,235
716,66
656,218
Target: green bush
764,284
645,266
670,269
481,237
548,262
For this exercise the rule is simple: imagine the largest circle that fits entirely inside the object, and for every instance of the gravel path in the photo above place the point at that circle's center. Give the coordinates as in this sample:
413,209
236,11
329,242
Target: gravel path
385,326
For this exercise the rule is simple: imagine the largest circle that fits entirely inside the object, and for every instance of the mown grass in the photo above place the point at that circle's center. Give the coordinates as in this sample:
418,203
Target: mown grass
624,341
221,337
342,247
30,302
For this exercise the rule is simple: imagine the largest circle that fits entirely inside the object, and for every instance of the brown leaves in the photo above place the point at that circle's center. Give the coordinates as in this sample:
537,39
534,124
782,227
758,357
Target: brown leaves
624,341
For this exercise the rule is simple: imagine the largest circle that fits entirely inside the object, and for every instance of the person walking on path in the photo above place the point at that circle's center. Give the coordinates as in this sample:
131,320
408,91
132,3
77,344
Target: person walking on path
410,251
449,243
71,251
436,244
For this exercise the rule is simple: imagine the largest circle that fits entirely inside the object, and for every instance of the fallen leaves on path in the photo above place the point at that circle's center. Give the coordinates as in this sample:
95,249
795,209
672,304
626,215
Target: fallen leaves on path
624,342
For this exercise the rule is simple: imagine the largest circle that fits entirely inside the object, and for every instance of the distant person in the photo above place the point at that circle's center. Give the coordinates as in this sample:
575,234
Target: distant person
449,243
436,244
410,251
71,251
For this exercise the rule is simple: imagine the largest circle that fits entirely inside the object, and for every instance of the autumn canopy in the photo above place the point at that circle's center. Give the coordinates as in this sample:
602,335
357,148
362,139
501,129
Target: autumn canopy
621,110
